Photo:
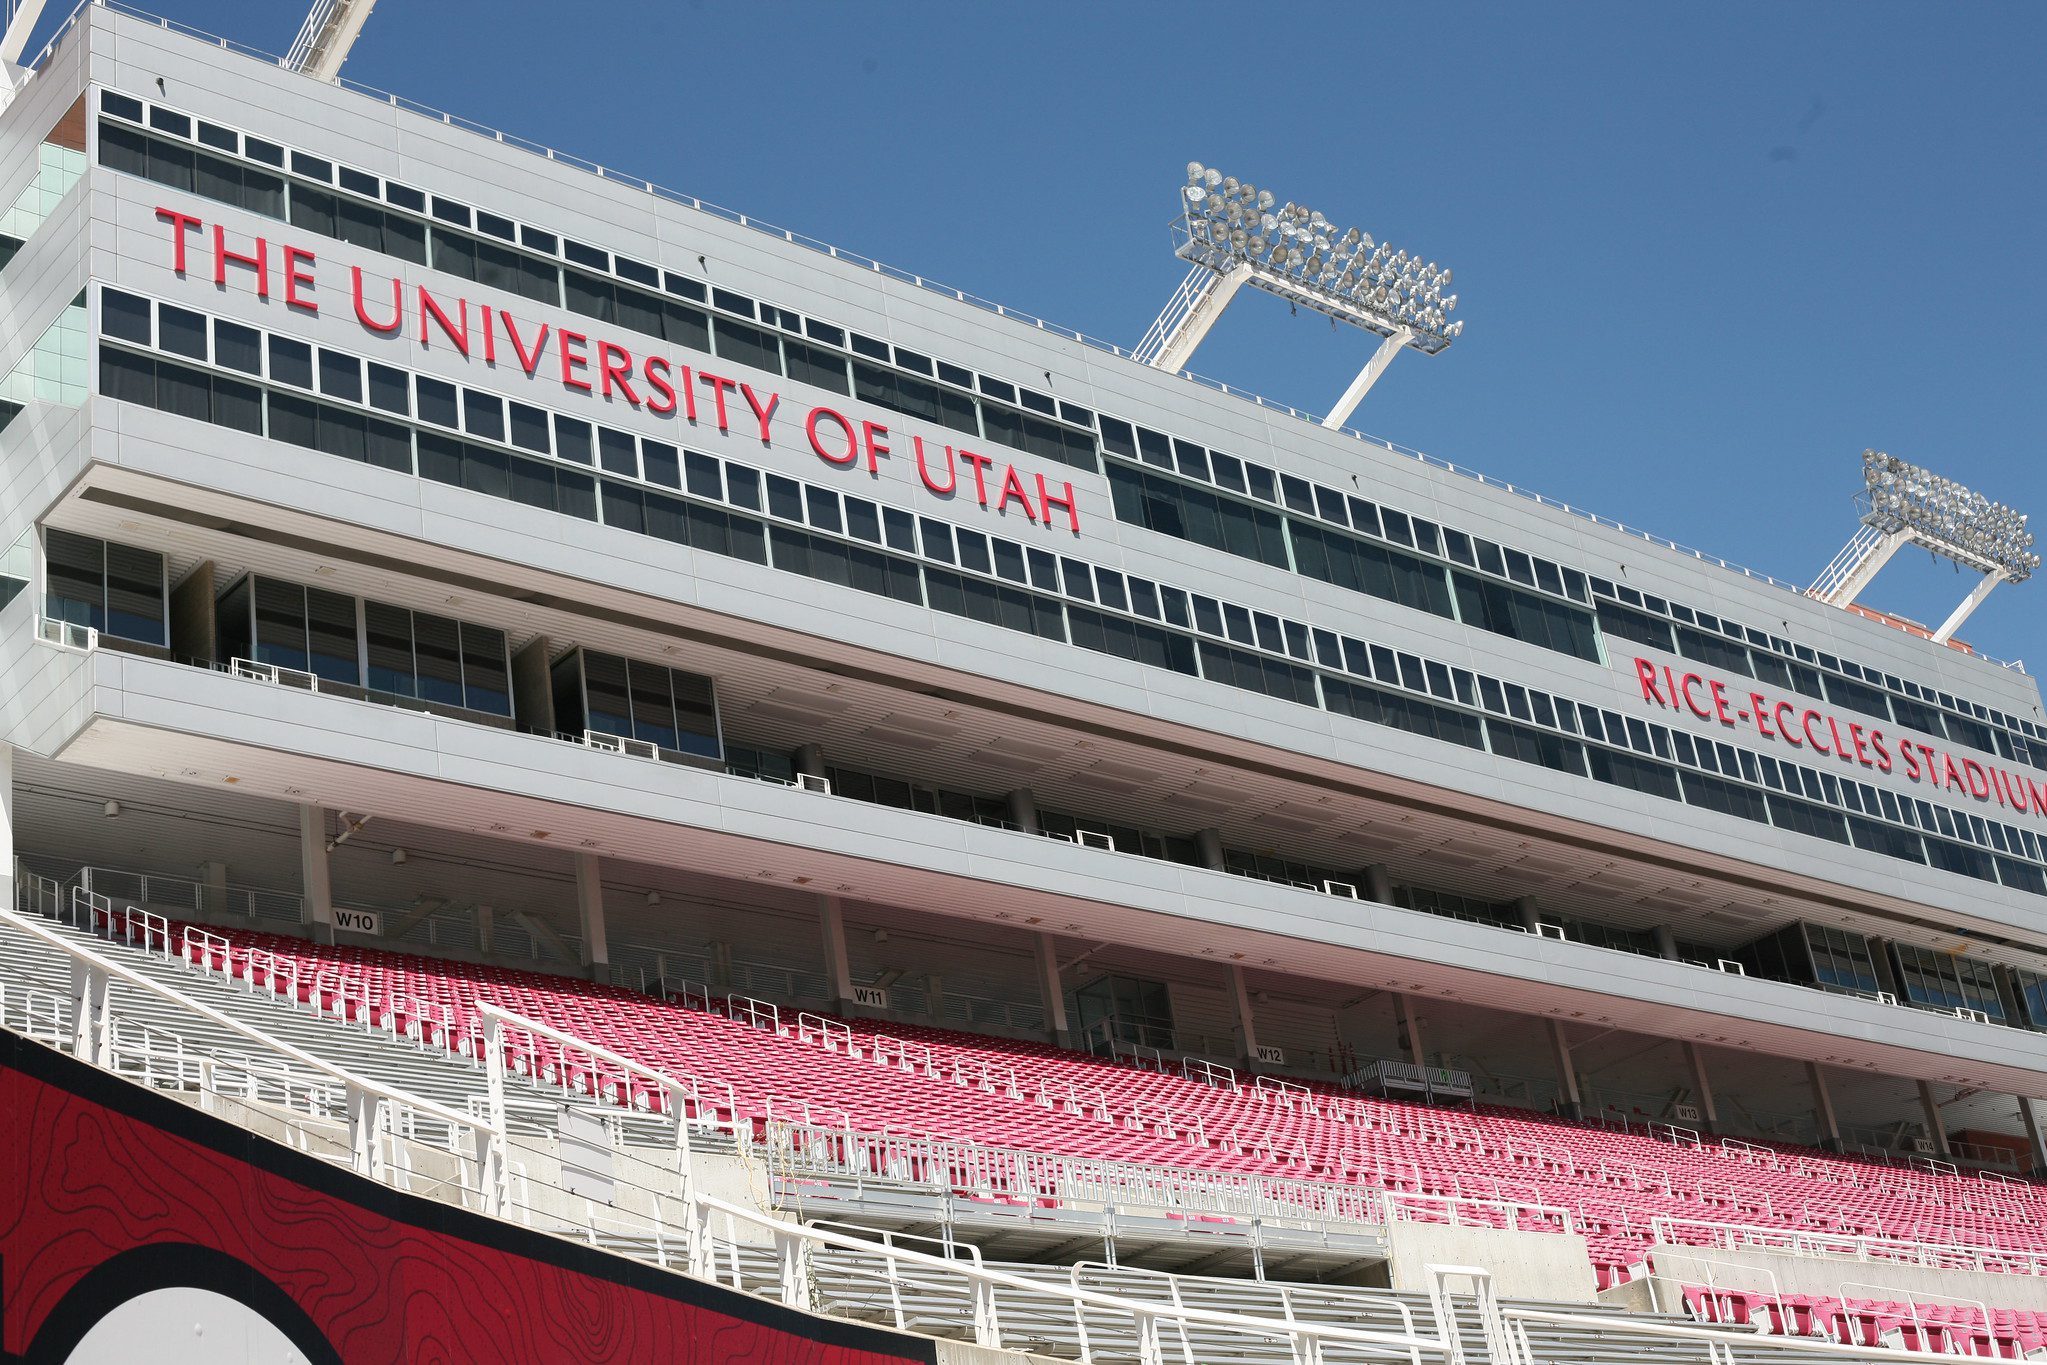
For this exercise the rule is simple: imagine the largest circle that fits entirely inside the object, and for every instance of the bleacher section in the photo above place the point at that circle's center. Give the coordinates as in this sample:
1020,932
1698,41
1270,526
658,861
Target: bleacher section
752,1067
1944,1329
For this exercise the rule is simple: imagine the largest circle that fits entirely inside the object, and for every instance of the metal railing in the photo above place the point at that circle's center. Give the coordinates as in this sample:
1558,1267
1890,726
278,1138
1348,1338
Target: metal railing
1673,1230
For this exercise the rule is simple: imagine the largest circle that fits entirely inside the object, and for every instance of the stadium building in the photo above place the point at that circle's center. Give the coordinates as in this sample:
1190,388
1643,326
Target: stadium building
978,786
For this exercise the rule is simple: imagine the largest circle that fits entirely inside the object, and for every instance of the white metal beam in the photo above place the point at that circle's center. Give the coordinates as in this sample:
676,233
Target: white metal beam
1858,574
1367,377
15,41
327,36
1969,604
1207,308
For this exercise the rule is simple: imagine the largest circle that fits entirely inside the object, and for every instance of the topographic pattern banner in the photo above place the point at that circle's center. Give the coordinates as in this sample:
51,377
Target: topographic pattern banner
109,1191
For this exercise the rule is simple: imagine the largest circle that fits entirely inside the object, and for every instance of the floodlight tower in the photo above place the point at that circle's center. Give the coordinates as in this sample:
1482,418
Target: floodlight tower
1903,503
1234,234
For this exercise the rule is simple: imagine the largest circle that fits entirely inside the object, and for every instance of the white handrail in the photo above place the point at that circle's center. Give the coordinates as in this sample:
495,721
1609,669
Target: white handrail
1725,1343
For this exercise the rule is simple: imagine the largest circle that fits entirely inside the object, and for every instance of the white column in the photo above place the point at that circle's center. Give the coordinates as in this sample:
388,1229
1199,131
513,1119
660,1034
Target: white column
1410,1028
590,914
1823,1107
1666,942
1053,990
2029,1115
831,919
1567,1072
1936,1127
1702,1086
486,930
213,878
1530,917
1210,842
315,877
1247,1027
7,825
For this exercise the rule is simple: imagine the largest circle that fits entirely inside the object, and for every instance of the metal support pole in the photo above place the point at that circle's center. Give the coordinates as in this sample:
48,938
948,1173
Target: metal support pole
1666,942
1367,377
1023,810
590,914
1936,1127
1379,884
838,966
315,874
2036,1140
1702,1087
91,1015
1823,1107
1054,992
1209,842
1410,1028
1969,604
1567,1073
1247,1027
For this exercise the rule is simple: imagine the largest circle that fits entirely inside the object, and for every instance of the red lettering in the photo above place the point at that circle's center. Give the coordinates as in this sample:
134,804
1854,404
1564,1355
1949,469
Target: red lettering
982,464
845,433
687,387
1720,710
1048,502
1777,713
294,276
1979,782
654,369
1835,731
764,411
870,441
1685,686
1645,674
1883,754
1758,706
260,262
1952,774
1670,686
1911,759
362,312
529,361
1860,741
1012,487
430,308
952,474
2019,800
2038,794
720,386
180,224
615,367
490,336
566,343
1805,725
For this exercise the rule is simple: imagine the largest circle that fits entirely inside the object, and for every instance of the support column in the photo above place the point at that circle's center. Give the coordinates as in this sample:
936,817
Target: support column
2036,1141
1572,1103
810,760
213,881
1023,810
838,969
1525,907
1936,1126
1053,990
1410,1029
316,882
1379,884
1823,1107
1210,842
1666,942
1702,1086
590,916
486,930
1247,1027
7,825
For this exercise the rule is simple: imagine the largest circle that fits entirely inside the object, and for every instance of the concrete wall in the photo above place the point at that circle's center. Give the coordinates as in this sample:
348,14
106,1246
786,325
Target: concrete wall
1825,1277
1554,1267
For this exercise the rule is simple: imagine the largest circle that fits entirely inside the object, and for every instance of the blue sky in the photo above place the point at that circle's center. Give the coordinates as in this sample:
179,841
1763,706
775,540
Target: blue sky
1706,256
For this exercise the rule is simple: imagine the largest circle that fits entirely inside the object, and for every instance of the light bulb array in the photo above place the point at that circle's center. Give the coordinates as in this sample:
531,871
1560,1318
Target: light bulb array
1946,516
1341,272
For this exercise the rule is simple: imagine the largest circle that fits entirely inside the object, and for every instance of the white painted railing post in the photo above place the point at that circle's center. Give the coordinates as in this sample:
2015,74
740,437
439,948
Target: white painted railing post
492,1156
365,1152
91,1018
987,1326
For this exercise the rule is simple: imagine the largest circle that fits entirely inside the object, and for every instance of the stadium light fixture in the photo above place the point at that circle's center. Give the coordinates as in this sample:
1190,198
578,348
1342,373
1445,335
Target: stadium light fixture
1904,503
1234,233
